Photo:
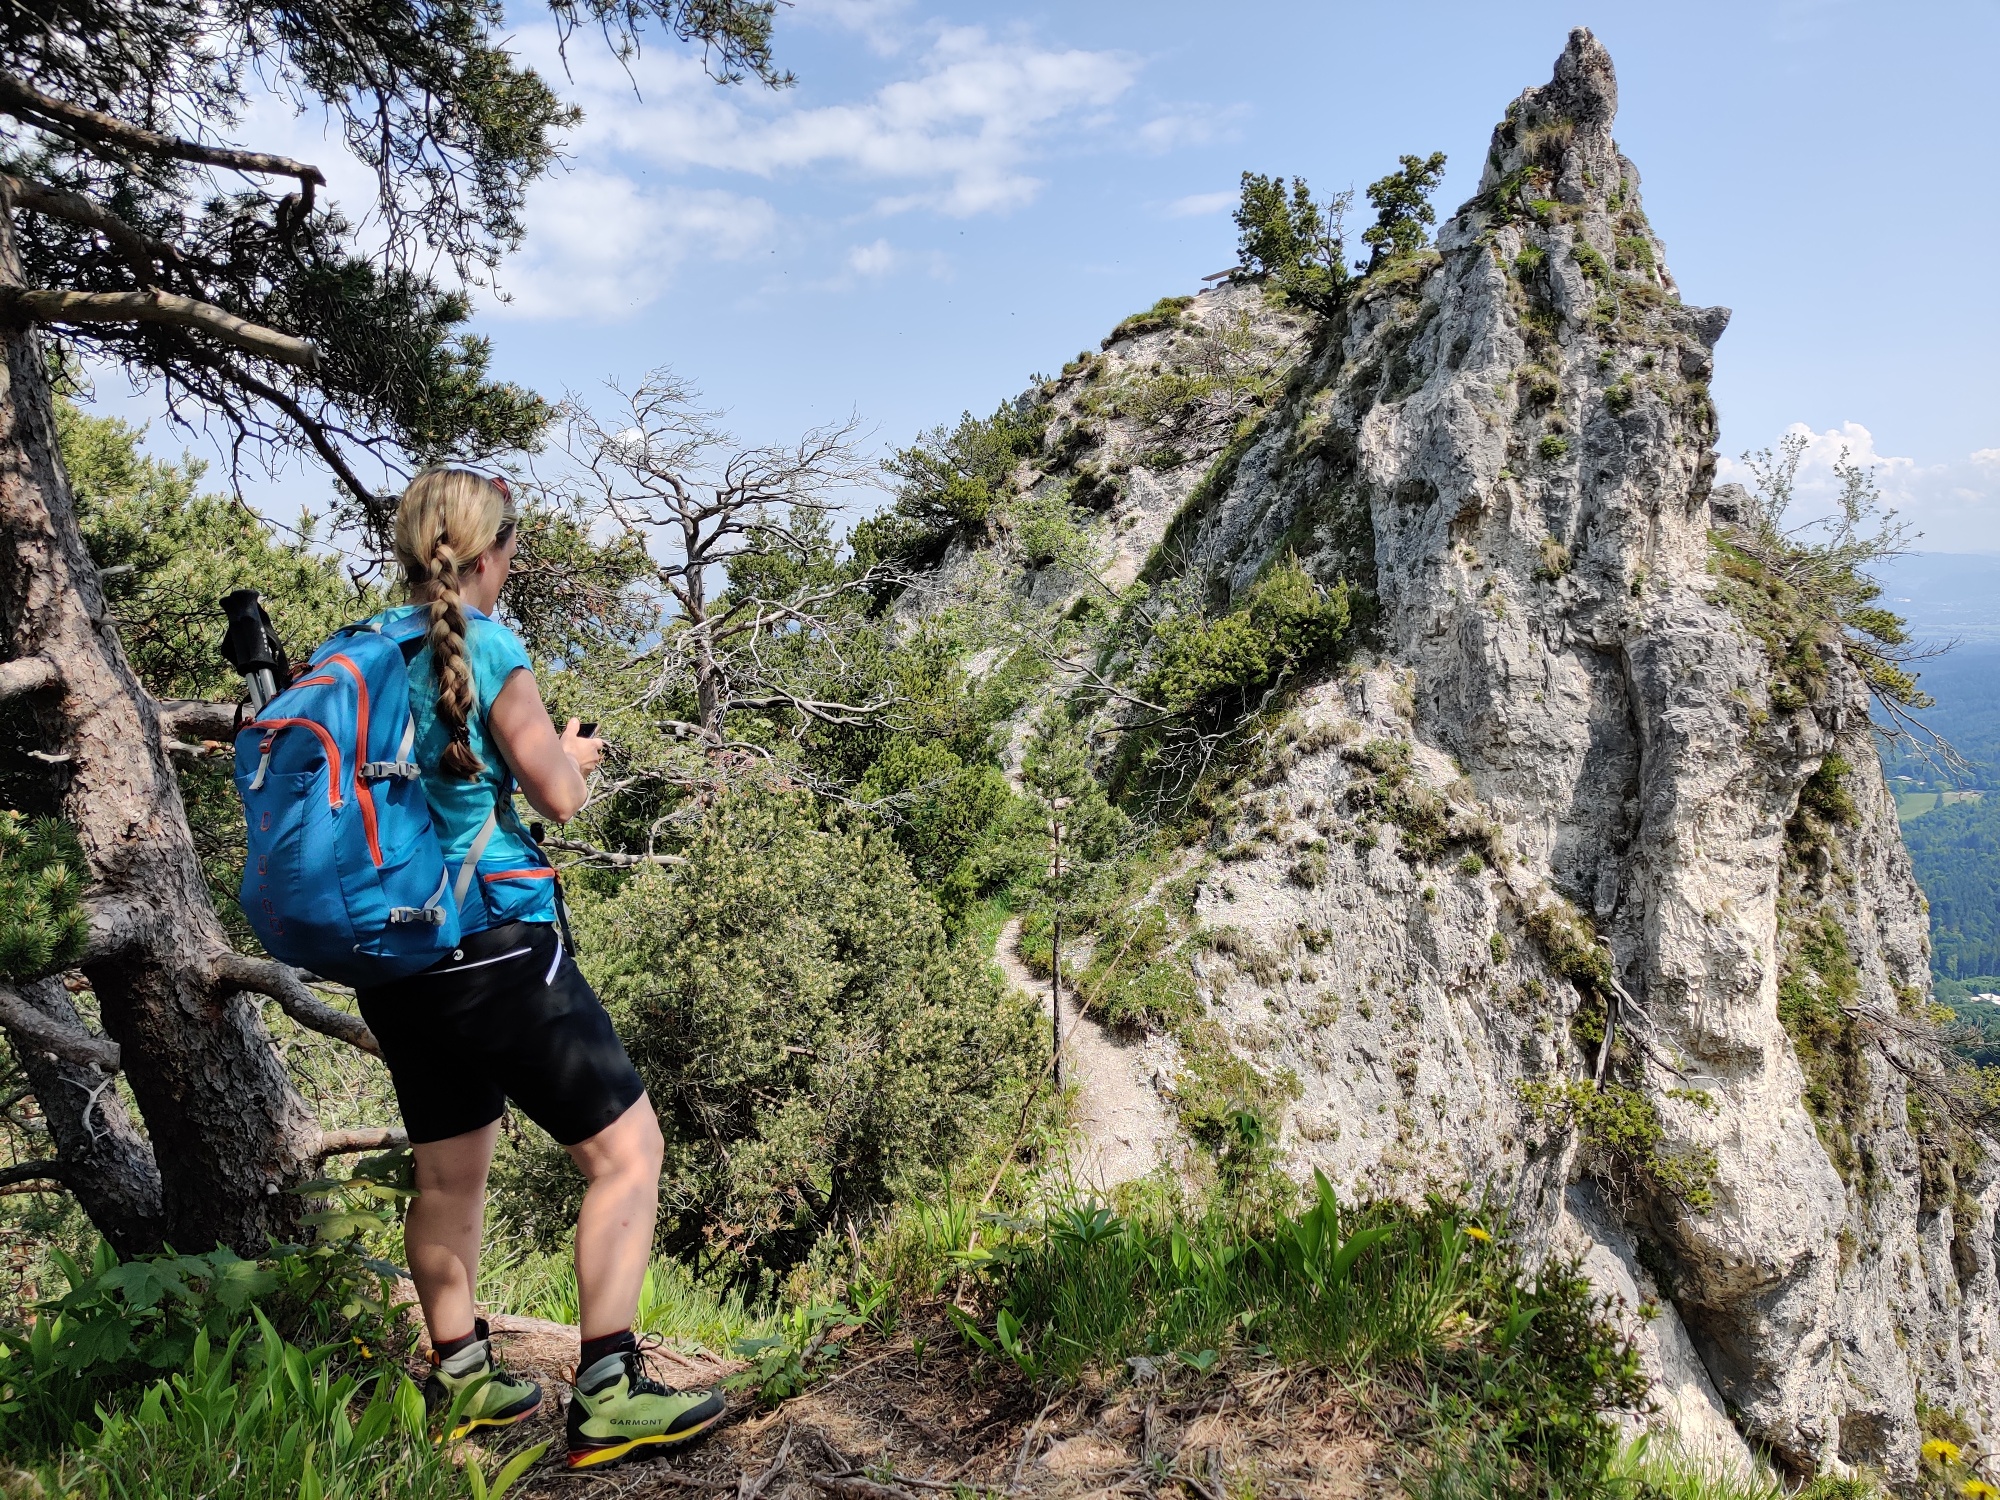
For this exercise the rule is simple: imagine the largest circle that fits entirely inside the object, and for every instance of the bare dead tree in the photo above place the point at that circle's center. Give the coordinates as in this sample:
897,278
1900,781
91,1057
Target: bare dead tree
667,475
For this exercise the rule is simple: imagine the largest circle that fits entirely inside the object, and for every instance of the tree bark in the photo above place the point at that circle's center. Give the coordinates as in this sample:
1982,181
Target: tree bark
106,1163
227,1130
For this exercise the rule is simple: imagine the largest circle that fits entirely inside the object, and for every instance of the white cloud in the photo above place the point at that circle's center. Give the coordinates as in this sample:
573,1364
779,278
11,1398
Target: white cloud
1954,504
959,137
1190,125
1195,205
878,259
879,23
599,246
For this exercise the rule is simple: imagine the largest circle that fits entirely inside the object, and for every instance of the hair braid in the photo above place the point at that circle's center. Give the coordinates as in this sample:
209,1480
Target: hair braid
447,518
453,673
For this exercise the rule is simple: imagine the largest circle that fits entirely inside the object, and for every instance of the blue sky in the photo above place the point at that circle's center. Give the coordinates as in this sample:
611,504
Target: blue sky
954,197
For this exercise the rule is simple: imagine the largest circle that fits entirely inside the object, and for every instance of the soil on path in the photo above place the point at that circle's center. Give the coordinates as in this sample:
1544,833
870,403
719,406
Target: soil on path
916,1416
1124,1129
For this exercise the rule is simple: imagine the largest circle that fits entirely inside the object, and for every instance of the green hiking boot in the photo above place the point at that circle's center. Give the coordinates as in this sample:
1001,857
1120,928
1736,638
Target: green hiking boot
493,1397
616,1412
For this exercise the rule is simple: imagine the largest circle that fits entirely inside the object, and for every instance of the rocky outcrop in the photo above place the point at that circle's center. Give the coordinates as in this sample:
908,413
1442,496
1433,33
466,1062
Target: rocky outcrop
1562,781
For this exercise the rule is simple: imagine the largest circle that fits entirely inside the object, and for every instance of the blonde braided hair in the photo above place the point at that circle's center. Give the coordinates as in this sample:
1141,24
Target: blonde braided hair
446,519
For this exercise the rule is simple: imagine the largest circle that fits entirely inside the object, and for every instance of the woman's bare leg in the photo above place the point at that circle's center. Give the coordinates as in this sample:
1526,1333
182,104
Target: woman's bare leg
614,1231
441,1232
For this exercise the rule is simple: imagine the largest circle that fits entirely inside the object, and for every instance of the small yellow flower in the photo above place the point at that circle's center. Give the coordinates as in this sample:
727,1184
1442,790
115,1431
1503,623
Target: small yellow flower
1978,1489
1474,1232
1937,1450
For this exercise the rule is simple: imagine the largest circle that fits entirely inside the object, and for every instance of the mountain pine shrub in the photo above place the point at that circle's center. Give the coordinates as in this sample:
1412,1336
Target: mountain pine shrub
812,1042
42,875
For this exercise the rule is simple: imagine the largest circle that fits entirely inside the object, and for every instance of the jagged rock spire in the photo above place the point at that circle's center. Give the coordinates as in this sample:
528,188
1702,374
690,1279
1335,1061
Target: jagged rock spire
1563,128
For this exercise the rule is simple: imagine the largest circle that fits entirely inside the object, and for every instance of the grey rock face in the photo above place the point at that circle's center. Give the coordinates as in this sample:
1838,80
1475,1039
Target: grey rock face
1509,440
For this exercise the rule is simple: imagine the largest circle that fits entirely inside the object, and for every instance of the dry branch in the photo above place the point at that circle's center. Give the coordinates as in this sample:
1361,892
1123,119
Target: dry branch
55,305
197,719
238,971
366,1138
23,100
28,675
860,1489
32,1030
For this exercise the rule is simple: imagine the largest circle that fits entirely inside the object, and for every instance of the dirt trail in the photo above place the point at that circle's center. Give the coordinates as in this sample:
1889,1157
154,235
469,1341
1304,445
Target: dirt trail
917,1415
1124,1127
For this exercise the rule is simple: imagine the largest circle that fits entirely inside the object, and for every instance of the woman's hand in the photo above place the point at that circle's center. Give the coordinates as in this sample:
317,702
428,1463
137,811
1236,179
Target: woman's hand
584,751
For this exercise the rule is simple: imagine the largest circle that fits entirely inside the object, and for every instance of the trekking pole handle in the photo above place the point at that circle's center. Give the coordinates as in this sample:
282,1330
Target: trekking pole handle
251,646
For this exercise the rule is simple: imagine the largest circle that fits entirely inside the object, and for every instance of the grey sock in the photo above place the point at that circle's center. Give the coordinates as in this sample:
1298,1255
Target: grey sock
473,1358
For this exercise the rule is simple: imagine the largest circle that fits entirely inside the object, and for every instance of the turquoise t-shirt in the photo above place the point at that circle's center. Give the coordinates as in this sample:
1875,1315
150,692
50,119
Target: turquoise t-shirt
459,806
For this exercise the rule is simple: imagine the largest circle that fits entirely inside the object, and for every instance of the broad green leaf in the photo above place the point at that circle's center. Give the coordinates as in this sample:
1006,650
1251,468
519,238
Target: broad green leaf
516,1466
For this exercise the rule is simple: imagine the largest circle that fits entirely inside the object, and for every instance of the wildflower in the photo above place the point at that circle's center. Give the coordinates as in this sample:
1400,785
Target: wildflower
1978,1489
1937,1450
1474,1232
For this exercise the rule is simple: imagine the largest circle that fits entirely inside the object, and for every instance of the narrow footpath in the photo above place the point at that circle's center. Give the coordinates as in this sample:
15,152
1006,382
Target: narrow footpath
1124,1128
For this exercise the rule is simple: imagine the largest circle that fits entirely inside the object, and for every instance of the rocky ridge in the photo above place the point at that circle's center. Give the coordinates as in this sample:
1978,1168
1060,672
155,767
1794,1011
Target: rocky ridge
1565,780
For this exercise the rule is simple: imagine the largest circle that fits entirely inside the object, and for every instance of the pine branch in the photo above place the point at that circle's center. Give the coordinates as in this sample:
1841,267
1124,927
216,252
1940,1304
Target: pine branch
240,972
144,254
29,1029
116,927
380,508
24,101
56,305
49,1170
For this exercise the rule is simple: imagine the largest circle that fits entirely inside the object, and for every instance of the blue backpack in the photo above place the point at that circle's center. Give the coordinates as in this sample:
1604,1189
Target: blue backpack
345,874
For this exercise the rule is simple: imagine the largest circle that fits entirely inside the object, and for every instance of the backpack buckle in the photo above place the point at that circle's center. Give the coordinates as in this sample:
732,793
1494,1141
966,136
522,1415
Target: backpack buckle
428,916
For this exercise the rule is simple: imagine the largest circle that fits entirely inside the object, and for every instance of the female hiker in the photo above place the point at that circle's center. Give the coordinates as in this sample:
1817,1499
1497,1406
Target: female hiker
507,1015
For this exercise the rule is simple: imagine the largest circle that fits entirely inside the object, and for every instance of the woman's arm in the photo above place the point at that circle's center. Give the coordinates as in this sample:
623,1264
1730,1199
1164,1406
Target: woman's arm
549,767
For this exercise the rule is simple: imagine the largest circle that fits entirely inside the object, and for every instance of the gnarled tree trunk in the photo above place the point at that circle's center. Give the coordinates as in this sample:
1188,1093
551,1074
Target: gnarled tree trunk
228,1132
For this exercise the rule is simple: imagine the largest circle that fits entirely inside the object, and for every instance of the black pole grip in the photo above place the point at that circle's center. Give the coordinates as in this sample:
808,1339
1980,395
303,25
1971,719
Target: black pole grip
251,644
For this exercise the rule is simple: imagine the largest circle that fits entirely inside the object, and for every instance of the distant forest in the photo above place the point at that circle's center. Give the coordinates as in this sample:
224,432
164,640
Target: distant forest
1955,850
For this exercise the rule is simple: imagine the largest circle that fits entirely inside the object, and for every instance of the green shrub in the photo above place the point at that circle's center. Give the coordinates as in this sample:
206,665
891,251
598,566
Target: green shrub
1553,446
941,813
43,925
809,1037
1049,531
1593,264
1396,796
949,482
1138,975
1817,983
1803,594
1402,204
1623,1125
1287,625
1635,253
1570,942
1166,313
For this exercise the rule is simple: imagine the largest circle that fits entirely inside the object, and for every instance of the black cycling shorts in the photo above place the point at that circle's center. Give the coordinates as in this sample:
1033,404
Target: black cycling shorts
507,1016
